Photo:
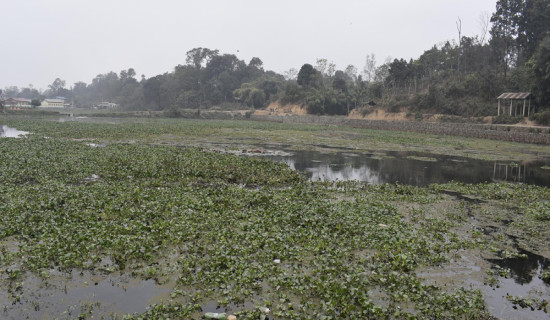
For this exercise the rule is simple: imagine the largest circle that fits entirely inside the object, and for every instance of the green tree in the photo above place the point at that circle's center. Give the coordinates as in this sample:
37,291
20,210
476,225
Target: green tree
271,88
351,72
56,88
35,103
242,94
292,93
152,92
256,63
339,84
250,96
533,25
399,72
505,30
128,76
315,102
198,57
30,93
540,64
308,76
258,98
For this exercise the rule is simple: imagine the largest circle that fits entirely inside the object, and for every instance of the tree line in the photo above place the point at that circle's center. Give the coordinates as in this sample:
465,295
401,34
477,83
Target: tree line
457,77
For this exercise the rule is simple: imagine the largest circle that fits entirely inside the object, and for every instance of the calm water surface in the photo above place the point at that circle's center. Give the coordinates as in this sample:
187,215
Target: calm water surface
7,132
413,168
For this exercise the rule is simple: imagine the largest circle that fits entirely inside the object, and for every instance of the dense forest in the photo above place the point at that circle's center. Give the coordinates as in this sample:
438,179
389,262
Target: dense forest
457,77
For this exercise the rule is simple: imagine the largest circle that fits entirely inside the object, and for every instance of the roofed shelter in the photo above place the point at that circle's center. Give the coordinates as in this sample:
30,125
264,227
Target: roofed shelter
514,100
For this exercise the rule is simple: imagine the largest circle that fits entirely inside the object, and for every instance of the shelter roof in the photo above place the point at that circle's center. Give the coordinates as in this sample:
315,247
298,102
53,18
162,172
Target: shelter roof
514,95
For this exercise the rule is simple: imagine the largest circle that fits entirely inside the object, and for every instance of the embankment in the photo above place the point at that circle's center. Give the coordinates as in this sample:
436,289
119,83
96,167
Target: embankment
537,135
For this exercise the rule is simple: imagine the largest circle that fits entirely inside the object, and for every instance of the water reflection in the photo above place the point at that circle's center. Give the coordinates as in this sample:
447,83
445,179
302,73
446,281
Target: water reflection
509,172
523,268
7,132
412,168
525,281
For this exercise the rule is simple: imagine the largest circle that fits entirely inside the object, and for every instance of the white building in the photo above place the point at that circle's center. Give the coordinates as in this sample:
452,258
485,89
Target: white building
107,105
53,103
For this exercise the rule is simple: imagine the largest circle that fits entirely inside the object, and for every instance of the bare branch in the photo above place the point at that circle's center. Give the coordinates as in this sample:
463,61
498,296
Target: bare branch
483,21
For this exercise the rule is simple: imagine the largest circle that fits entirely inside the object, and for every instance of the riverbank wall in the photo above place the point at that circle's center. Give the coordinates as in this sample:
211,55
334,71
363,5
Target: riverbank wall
536,135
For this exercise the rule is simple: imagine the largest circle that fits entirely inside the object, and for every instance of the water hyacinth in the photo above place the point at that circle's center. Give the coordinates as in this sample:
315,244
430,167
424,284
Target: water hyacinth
239,235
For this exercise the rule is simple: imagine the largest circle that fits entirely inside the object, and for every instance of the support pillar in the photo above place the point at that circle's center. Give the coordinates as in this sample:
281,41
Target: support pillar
506,175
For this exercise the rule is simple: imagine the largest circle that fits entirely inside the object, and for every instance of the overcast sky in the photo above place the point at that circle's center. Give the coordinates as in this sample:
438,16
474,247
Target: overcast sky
76,40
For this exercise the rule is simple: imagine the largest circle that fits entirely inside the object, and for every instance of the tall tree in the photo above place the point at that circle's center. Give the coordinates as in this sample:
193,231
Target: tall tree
351,72
369,71
533,25
321,65
56,87
256,63
331,69
505,30
483,22
459,29
541,70
290,74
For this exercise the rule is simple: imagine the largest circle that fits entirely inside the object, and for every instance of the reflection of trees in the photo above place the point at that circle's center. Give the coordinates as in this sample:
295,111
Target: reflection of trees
534,174
523,269
527,172
509,172
326,172
341,166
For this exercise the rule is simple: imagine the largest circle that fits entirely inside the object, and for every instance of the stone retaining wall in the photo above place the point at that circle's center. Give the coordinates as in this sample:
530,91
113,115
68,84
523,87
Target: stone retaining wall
538,135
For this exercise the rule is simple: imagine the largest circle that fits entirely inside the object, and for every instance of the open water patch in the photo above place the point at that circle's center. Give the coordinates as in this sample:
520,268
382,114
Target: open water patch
517,277
524,267
7,132
81,293
86,119
97,145
409,168
520,291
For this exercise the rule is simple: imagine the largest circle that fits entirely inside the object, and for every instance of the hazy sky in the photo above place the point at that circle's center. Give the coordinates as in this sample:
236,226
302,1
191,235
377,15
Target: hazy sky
76,40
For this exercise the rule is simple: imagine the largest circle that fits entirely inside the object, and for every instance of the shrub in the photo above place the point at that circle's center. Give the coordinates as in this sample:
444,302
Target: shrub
506,119
172,113
542,118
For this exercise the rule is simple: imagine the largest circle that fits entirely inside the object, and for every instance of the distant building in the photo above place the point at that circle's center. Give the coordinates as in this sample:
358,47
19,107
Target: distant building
53,103
107,105
17,103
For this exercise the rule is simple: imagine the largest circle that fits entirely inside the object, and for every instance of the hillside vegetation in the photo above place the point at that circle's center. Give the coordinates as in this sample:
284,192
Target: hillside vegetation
459,77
